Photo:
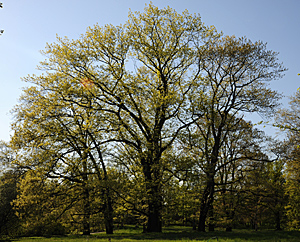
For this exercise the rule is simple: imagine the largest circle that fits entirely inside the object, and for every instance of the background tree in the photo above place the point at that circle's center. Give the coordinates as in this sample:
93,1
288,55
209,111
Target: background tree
292,190
244,147
288,121
275,193
39,204
9,222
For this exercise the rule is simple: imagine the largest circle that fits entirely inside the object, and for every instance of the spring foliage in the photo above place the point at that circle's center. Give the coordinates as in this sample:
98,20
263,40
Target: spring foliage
129,96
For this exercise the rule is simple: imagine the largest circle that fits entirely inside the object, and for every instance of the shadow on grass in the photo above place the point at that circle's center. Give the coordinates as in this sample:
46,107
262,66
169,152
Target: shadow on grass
181,233
178,233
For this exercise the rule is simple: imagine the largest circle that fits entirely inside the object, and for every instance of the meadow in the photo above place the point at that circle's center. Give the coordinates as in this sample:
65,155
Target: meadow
172,234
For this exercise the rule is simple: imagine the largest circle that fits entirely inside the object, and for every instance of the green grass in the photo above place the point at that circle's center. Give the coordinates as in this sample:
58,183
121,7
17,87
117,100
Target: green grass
176,233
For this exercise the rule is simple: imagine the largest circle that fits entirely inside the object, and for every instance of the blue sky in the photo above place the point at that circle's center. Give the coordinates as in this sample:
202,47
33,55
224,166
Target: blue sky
29,24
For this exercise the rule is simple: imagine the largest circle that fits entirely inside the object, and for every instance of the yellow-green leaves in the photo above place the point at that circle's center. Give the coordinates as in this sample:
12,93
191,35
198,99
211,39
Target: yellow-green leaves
163,39
134,89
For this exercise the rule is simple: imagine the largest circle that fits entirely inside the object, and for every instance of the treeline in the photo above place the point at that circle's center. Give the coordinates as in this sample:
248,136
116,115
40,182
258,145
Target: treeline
144,124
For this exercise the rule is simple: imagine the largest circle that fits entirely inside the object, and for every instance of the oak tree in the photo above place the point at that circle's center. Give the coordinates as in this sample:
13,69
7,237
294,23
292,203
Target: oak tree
139,86
143,74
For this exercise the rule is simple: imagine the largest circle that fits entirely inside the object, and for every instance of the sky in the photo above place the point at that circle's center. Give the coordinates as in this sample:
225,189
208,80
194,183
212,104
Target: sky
29,24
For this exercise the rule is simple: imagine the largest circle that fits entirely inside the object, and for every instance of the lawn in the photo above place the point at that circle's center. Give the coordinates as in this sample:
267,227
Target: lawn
176,233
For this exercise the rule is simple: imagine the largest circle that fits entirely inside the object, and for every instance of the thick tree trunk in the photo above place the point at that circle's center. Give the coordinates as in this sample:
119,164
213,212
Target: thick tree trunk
154,222
201,223
154,199
154,217
108,214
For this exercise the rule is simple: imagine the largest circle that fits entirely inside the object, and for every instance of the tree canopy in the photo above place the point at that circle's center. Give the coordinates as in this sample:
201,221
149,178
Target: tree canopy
123,99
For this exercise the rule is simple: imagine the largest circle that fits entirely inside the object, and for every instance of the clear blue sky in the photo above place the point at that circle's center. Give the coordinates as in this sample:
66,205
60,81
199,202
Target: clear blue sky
29,24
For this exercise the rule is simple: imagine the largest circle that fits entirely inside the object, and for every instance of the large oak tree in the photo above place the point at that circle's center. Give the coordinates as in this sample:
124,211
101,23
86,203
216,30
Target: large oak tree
146,82
143,75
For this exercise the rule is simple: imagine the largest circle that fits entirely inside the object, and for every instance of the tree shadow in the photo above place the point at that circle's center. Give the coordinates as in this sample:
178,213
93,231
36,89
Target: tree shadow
189,234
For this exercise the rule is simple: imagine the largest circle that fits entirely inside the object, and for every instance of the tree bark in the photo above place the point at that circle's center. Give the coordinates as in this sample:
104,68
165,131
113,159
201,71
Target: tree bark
86,213
206,202
154,219
211,224
108,213
154,199
154,209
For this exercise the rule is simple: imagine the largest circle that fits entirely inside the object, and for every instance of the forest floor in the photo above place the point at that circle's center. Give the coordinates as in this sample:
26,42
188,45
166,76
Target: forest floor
171,234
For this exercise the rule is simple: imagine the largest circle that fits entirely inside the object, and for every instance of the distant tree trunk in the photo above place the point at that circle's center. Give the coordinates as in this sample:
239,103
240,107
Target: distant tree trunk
86,199
278,221
144,228
228,228
229,211
254,224
194,224
106,191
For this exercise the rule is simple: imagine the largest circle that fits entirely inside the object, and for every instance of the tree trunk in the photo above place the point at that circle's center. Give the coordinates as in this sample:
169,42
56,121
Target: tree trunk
278,220
201,224
108,213
229,228
229,211
86,199
86,212
194,224
154,220
86,225
154,199
211,224
154,209
206,202
208,194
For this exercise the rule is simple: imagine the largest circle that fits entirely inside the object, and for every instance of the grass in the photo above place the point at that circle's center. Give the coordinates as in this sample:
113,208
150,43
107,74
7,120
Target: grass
171,234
